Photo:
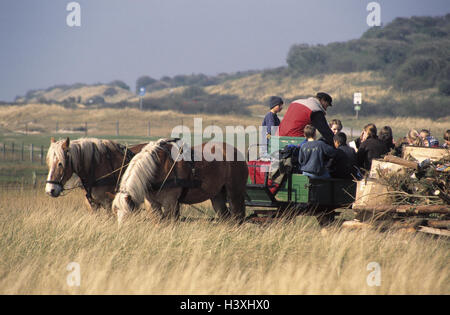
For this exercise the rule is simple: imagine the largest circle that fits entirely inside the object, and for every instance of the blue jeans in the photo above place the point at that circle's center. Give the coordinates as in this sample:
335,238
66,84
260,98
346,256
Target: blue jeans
325,175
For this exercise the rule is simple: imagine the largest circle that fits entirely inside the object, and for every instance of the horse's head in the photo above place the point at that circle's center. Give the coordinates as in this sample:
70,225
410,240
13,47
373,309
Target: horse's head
123,204
59,167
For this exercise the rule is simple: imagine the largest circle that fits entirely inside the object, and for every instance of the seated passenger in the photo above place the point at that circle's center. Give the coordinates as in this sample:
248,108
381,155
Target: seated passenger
344,164
431,142
386,136
414,138
371,148
314,155
399,145
336,126
428,140
446,144
357,142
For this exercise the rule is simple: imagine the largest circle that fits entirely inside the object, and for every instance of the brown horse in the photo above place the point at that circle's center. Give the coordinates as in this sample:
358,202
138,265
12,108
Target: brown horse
156,175
96,162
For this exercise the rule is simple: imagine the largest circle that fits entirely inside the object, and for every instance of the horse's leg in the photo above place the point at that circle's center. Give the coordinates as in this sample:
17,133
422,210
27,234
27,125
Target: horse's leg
236,196
154,207
172,212
220,206
91,206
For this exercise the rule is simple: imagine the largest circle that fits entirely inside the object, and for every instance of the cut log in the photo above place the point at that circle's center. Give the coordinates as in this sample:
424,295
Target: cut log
429,230
440,224
423,153
424,209
400,161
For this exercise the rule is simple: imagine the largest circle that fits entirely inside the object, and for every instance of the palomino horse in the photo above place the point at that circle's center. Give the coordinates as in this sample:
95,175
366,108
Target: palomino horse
96,162
154,175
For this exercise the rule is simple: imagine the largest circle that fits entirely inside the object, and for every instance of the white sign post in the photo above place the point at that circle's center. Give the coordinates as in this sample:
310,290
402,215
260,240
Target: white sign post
141,95
357,100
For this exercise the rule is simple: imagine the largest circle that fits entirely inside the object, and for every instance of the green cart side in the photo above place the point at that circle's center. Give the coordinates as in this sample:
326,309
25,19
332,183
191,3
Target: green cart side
300,189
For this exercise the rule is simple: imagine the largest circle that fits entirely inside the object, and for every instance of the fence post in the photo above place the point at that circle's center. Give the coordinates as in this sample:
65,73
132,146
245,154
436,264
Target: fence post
31,152
34,179
117,128
12,151
85,129
42,155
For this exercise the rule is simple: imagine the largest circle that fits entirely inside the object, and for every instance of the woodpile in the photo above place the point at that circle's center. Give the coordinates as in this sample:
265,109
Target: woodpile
410,193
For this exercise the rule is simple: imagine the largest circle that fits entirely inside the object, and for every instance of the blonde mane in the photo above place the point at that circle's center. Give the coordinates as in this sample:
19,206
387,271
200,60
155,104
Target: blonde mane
81,152
143,169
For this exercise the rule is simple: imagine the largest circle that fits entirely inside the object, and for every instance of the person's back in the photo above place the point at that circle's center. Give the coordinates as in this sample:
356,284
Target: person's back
314,154
344,164
310,111
371,148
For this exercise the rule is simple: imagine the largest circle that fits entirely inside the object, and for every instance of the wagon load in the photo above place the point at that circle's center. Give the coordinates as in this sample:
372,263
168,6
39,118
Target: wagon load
412,192
276,188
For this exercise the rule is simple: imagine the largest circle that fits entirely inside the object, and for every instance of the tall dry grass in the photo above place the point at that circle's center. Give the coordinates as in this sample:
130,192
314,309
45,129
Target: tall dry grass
40,236
103,121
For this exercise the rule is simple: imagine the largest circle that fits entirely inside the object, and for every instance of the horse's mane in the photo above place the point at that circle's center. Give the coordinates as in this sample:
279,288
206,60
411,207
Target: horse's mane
82,152
143,168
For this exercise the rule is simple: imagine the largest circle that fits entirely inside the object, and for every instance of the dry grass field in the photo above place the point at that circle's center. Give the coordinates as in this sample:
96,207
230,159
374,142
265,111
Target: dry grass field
40,236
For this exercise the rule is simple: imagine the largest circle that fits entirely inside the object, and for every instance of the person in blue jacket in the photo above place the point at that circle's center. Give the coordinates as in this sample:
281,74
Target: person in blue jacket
314,155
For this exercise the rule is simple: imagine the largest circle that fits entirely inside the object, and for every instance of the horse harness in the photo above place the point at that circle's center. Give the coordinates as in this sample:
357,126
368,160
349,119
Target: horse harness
59,182
90,180
176,182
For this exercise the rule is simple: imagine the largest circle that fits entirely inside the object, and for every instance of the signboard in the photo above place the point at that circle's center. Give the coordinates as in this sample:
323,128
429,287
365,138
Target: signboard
357,107
357,98
142,91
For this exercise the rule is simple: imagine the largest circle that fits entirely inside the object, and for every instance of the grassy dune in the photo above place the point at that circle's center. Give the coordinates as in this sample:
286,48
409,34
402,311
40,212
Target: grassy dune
85,92
40,236
258,88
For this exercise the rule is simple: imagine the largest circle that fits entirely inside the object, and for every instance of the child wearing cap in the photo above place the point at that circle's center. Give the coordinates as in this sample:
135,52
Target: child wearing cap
271,119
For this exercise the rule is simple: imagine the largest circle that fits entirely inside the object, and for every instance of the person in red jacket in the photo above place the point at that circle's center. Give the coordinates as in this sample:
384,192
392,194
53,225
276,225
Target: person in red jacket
310,111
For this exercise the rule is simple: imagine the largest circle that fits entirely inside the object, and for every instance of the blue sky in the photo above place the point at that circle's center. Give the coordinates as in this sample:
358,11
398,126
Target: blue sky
123,40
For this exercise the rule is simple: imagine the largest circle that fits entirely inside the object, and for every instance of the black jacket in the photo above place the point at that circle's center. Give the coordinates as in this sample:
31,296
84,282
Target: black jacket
372,148
344,164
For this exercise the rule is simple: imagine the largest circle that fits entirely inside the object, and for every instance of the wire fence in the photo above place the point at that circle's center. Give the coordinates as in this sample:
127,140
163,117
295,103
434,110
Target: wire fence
21,152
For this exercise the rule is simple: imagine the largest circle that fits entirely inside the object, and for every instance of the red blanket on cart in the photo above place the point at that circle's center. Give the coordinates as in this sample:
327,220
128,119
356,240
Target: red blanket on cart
257,171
